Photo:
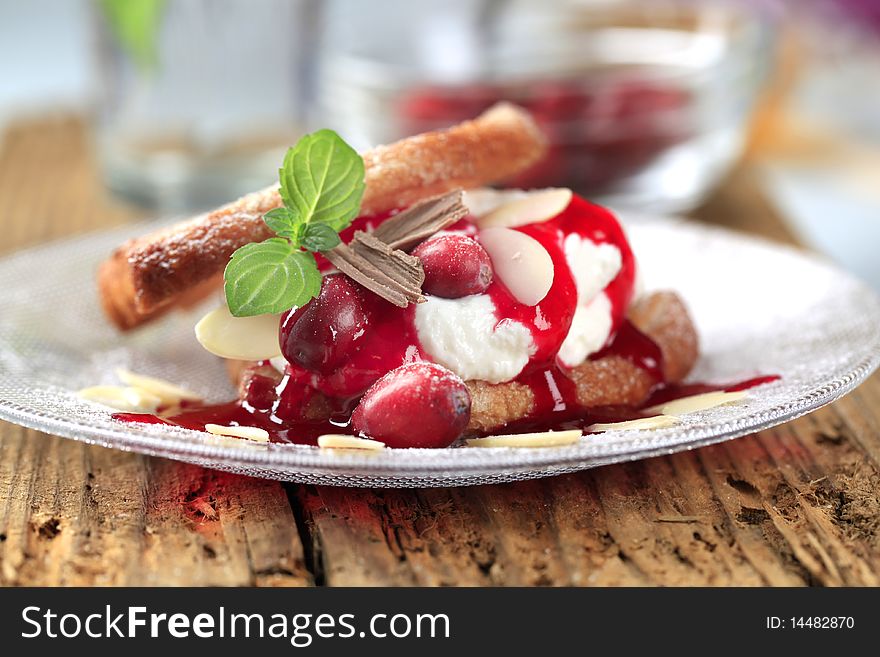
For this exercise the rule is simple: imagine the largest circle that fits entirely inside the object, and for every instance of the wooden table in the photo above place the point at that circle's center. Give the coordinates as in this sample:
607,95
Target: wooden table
796,505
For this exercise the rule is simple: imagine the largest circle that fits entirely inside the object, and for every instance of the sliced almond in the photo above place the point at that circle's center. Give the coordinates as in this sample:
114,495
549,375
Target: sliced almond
341,441
480,201
520,263
642,424
544,439
121,399
166,391
250,433
697,402
141,398
236,443
533,208
241,338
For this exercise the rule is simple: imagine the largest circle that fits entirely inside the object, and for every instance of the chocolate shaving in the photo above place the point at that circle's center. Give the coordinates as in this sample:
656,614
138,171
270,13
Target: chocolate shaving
378,260
414,225
389,273
404,268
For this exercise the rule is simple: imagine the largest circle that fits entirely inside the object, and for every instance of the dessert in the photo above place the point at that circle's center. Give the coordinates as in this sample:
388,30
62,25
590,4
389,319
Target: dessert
395,299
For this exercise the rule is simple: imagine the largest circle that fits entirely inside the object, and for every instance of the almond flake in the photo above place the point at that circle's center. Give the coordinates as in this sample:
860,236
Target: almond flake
543,439
520,262
141,398
697,402
641,424
480,201
121,399
341,441
537,207
166,391
239,338
249,433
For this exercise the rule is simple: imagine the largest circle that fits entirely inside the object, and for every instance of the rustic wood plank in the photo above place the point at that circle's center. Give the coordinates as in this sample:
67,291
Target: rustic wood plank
76,515
796,505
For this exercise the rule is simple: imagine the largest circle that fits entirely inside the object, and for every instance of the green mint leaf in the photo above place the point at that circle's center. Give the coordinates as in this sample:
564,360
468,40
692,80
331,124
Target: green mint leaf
319,237
282,222
270,277
322,180
322,184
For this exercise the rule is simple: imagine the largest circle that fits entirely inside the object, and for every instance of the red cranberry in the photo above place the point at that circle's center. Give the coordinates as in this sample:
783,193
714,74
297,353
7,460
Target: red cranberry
455,266
321,335
416,405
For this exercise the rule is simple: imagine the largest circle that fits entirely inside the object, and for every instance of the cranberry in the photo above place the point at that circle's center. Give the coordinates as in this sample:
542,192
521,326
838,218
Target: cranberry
416,405
455,266
321,335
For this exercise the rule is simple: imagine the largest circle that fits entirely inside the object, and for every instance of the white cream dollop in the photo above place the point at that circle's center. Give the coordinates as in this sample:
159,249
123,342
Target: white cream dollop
589,331
464,336
593,267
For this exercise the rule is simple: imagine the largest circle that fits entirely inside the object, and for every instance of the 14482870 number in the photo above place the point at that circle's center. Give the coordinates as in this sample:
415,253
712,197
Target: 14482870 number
811,622
823,622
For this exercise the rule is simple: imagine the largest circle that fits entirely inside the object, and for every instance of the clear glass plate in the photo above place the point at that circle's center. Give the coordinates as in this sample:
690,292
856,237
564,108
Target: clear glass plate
760,308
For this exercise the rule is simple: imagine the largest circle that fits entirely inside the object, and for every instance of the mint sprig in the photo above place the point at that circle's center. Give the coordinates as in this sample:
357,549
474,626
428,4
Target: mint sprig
322,184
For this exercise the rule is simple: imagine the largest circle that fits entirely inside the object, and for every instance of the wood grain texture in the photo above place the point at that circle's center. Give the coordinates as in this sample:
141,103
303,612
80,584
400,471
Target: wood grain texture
795,505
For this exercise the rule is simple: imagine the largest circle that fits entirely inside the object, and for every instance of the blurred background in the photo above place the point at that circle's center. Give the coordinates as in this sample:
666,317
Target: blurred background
652,106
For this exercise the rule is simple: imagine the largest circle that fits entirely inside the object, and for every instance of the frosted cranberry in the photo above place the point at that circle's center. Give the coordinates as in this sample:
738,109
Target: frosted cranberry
455,266
321,335
415,405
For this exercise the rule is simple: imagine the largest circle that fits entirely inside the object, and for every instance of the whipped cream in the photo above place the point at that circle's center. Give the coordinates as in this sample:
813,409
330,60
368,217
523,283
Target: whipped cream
464,336
593,267
589,331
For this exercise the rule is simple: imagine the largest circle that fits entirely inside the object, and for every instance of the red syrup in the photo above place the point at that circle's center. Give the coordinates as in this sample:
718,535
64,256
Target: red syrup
564,415
555,396
671,392
601,227
555,409
238,413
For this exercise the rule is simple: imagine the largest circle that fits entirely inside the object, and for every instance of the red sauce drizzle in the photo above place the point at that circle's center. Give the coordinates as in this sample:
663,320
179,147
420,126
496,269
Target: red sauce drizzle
238,413
675,391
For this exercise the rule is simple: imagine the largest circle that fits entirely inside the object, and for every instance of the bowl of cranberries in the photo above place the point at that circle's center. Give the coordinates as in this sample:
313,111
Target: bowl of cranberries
644,106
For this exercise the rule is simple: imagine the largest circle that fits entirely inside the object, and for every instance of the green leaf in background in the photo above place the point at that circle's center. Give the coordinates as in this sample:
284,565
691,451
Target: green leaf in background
322,180
135,24
282,222
270,277
319,237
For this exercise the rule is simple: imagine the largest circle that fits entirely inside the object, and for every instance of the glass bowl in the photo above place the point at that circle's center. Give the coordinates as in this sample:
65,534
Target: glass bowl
644,105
